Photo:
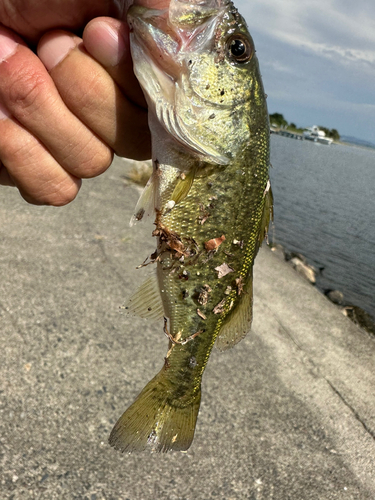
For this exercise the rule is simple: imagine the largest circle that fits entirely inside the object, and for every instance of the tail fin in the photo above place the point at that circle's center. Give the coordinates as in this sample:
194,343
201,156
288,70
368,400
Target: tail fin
154,422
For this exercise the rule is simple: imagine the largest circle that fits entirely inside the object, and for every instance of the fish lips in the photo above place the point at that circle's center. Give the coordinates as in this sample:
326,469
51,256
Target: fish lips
152,32
168,35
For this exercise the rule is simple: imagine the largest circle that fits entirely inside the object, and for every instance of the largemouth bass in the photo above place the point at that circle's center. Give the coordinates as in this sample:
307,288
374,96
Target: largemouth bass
210,195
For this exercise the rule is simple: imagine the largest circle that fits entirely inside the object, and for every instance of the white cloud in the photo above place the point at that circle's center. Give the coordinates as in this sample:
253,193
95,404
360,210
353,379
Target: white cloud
278,66
317,60
324,27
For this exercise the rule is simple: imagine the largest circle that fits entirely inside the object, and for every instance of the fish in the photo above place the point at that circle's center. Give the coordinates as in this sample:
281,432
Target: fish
210,197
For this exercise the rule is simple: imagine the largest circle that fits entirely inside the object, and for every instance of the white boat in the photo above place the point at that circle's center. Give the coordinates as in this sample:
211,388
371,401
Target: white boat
315,134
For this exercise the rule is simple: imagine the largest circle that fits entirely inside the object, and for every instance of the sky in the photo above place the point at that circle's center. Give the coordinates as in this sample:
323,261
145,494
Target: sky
317,60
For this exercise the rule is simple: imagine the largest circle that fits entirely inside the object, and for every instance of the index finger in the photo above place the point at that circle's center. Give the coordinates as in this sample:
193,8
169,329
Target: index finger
107,41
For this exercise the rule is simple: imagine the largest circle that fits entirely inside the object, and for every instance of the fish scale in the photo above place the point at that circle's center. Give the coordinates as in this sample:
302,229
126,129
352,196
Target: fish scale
237,221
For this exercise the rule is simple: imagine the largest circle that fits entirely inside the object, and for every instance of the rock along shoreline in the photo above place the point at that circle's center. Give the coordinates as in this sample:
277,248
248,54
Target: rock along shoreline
301,265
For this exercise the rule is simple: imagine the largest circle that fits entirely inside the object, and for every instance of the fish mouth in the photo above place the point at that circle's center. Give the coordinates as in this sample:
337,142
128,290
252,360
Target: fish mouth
167,35
151,30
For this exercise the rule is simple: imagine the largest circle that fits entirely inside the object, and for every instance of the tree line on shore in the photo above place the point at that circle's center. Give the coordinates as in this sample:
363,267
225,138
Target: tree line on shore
278,120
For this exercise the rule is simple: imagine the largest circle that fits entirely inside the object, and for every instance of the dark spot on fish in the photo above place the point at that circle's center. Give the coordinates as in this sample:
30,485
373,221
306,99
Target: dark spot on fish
228,253
149,309
208,86
185,294
193,362
211,117
184,276
222,92
139,215
190,62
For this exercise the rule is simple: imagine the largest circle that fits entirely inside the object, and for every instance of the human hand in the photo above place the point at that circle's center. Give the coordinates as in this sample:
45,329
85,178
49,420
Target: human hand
60,127
31,18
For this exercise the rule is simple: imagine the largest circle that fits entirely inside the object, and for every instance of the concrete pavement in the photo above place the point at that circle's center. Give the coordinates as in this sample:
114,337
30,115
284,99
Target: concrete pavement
287,414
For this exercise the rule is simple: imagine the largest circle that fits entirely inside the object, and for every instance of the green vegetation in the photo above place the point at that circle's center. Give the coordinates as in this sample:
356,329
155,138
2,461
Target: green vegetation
333,134
277,120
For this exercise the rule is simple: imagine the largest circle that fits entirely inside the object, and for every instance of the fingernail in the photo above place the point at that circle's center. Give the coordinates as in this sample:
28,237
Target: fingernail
7,45
112,45
4,113
54,48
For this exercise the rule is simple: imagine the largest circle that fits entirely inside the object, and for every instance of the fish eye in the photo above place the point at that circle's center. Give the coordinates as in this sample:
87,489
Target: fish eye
240,48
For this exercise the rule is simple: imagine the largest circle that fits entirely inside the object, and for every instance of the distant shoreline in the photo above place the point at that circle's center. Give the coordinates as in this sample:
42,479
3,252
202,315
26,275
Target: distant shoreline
356,145
291,134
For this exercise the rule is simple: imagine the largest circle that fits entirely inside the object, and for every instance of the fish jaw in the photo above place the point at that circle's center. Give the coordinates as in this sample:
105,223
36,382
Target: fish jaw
168,35
150,31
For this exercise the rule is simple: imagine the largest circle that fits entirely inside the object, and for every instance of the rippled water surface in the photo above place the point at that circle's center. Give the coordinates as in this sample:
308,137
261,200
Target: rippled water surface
325,209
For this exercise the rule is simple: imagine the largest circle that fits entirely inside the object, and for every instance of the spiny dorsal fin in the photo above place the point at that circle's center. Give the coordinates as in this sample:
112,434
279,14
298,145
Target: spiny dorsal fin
146,302
238,323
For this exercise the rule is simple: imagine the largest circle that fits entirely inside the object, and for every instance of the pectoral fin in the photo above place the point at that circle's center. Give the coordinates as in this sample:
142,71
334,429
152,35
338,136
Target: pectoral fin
147,201
183,186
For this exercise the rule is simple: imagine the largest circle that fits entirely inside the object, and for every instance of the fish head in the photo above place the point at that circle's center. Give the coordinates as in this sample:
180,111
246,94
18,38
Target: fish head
196,63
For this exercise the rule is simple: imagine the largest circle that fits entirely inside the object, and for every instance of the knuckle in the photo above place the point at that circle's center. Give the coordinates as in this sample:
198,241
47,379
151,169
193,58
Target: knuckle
61,195
26,91
97,163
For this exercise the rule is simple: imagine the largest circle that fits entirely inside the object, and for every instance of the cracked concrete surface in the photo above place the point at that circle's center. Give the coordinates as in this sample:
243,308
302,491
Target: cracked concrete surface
287,414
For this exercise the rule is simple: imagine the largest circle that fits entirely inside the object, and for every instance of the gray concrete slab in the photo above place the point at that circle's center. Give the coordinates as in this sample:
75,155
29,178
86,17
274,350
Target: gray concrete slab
287,414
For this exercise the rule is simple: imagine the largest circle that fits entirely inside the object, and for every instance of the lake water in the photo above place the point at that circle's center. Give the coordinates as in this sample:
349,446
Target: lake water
325,209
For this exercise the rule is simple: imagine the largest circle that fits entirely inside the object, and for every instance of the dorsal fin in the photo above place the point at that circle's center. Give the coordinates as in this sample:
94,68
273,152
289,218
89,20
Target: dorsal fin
267,215
146,302
238,323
